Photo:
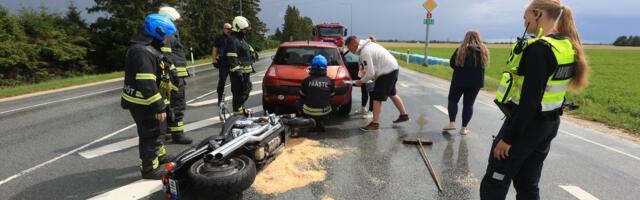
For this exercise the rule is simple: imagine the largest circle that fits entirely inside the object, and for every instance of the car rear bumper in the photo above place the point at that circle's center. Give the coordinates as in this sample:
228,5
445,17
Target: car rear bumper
289,96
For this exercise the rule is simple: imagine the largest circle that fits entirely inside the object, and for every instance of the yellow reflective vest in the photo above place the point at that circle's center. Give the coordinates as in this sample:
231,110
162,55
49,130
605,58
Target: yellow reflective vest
557,84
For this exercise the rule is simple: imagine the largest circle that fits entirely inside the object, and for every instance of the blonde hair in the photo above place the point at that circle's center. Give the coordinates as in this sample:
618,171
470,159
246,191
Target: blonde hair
473,39
566,26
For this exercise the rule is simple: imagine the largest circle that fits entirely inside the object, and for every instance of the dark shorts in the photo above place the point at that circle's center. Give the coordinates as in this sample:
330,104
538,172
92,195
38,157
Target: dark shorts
385,86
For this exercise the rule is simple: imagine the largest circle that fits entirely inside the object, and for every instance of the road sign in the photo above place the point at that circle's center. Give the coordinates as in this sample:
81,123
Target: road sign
430,5
429,21
429,15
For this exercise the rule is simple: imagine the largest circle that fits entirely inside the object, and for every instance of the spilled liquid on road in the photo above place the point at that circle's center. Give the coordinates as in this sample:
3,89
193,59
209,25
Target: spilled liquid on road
296,167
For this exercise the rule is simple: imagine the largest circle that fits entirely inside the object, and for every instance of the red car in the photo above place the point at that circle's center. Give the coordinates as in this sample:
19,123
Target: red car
291,65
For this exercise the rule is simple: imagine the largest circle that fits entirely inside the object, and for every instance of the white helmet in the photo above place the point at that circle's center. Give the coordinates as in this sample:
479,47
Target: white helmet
169,12
240,23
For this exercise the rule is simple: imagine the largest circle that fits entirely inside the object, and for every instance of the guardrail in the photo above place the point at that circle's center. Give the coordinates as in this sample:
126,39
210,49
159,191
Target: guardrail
419,59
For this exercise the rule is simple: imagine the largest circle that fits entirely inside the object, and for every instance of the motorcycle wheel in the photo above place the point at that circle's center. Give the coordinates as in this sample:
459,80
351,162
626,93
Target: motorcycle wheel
232,176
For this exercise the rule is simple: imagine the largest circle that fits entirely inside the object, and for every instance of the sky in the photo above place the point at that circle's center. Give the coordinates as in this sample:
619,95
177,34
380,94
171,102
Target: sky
599,21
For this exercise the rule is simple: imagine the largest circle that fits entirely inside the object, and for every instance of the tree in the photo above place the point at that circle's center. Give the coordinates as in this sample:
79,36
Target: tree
635,41
621,41
112,32
296,27
277,35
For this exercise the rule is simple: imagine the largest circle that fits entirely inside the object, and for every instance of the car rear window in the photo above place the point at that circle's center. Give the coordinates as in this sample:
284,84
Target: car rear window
303,55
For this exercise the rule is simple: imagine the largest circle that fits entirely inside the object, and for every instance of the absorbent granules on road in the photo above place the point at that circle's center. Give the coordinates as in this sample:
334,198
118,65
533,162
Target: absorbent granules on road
296,167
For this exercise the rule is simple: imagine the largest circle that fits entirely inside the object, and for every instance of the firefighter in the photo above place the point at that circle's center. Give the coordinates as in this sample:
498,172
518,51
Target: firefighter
316,93
532,95
147,89
174,51
240,57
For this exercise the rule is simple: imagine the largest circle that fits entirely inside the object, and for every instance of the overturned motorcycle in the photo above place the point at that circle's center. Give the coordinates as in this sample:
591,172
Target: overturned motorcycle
226,164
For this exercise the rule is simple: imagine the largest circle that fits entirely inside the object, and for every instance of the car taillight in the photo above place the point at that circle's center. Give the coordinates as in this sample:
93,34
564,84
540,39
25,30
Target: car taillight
272,72
342,73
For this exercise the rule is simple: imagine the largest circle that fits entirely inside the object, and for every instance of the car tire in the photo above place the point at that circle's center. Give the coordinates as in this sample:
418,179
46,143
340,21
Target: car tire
345,109
235,176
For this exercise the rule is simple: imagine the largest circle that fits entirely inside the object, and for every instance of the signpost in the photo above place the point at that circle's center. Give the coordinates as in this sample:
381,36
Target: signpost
429,5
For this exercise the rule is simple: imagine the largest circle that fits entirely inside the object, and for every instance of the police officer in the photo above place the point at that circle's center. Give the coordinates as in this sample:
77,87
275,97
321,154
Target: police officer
174,51
220,64
240,56
532,95
147,87
316,92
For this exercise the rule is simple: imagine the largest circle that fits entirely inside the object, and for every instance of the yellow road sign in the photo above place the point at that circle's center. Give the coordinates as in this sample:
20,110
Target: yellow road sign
430,5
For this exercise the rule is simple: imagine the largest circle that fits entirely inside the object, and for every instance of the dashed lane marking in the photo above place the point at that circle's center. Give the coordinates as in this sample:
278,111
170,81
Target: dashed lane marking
215,101
578,192
132,142
442,109
64,155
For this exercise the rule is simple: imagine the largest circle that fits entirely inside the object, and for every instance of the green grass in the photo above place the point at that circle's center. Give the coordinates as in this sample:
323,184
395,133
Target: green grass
612,96
57,83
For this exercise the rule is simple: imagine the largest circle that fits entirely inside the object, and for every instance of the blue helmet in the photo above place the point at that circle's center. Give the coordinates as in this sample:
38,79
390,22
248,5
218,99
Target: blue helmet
319,62
159,26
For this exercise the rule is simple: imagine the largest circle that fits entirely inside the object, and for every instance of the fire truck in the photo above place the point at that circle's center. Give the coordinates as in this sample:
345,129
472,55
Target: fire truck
330,32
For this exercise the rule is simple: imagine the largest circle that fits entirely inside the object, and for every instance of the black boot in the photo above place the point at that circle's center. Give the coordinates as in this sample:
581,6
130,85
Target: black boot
148,172
179,138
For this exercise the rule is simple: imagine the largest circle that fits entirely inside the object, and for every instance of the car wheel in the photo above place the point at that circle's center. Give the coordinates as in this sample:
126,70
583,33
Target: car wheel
229,177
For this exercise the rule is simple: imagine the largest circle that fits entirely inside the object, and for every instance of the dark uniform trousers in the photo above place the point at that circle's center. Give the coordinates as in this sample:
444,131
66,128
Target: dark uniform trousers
524,164
149,131
240,88
223,72
178,106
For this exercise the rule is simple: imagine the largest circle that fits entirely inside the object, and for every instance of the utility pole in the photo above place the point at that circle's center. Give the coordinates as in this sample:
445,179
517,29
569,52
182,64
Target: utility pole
240,7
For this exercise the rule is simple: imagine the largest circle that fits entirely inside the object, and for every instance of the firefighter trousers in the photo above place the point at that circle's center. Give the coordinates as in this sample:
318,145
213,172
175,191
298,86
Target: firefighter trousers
178,106
150,145
240,88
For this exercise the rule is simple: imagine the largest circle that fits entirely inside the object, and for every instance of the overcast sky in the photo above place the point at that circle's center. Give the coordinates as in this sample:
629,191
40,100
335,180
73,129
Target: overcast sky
599,21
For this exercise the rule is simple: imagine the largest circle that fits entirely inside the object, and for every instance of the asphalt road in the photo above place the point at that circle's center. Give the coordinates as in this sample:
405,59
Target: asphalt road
77,144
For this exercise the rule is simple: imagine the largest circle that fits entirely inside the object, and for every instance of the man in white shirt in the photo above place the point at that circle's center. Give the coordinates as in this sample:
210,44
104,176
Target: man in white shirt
382,68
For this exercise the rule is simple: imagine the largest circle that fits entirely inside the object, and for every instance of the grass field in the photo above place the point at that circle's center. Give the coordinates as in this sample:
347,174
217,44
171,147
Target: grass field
612,96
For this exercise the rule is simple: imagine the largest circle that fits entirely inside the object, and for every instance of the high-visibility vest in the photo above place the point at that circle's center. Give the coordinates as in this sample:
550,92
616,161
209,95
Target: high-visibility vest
555,91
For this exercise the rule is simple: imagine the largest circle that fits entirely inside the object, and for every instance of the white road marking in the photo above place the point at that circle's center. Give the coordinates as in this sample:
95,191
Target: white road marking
601,145
61,100
563,131
214,91
215,101
143,188
135,190
404,85
442,109
70,152
578,192
64,155
132,142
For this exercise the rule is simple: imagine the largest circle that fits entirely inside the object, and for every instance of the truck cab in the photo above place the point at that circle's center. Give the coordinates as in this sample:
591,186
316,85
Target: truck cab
331,33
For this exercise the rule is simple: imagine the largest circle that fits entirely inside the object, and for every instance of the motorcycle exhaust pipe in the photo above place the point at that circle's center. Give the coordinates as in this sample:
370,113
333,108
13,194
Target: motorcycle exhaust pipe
253,136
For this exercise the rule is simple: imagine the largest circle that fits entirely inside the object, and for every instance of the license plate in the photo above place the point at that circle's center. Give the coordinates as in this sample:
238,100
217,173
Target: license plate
173,189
